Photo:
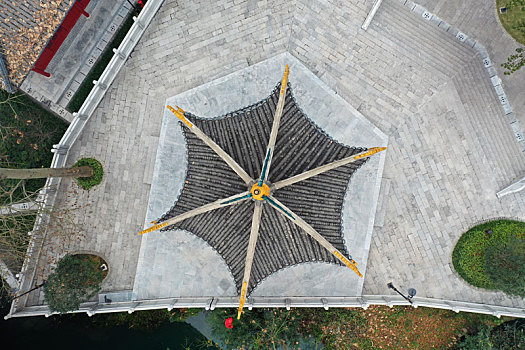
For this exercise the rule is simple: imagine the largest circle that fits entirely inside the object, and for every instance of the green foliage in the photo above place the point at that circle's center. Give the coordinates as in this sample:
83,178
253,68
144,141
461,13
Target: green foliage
27,133
505,265
77,278
478,341
515,61
473,322
139,320
508,336
257,329
327,326
88,182
478,252
514,4
181,315
280,328
98,68
513,20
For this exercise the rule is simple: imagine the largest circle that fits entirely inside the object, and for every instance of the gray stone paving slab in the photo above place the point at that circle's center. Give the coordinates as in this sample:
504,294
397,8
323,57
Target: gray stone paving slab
176,263
450,146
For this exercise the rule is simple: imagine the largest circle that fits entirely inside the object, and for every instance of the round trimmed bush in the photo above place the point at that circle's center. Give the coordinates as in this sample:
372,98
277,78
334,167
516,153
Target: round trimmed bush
88,182
492,256
77,278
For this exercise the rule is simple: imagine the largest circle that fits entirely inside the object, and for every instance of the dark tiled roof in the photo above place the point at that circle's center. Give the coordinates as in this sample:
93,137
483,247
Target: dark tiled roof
300,146
25,28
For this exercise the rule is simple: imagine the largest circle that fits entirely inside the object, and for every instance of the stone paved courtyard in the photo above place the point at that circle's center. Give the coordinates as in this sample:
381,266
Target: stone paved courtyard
450,147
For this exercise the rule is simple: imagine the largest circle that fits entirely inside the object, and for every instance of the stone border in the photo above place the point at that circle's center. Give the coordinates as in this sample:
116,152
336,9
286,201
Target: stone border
48,195
364,302
482,51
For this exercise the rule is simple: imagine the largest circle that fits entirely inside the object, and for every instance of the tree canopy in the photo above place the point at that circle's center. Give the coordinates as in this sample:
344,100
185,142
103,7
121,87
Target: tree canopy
77,278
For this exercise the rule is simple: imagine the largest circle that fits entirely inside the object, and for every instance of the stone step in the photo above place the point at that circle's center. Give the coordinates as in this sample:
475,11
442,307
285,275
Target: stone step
498,123
395,16
487,122
490,117
481,120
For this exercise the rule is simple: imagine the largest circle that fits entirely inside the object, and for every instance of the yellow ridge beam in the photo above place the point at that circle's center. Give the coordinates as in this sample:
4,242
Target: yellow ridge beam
154,228
250,252
324,168
284,82
296,219
370,152
243,299
347,263
265,172
179,113
224,202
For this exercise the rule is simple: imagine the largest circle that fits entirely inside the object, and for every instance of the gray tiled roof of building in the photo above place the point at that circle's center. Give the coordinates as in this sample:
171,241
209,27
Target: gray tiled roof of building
300,146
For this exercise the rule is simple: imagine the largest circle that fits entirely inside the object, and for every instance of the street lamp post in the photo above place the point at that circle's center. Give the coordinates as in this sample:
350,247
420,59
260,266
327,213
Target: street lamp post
29,291
411,292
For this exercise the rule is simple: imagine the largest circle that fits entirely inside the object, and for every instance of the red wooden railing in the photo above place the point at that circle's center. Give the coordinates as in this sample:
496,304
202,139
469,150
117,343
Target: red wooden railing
78,9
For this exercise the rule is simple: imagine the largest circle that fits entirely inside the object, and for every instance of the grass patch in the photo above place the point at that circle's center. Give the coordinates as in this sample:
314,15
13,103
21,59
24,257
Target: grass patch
513,20
88,182
27,134
470,254
98,68
421,328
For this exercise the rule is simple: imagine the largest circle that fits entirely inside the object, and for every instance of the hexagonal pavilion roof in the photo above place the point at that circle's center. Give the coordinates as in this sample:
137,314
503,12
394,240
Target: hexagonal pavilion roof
300,146
194,257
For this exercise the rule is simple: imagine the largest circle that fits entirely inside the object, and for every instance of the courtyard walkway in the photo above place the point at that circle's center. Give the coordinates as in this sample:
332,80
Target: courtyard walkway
450,146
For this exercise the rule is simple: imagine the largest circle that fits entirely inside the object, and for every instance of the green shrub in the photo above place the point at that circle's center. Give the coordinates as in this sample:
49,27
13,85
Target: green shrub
257,329
88,182
181,315
508,336
512,19
77,278
478,341
139,320
505,265
477,255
